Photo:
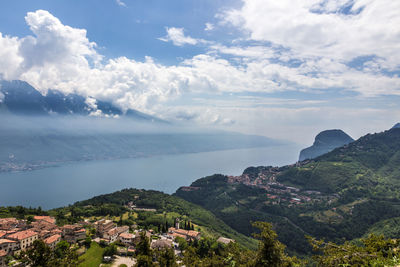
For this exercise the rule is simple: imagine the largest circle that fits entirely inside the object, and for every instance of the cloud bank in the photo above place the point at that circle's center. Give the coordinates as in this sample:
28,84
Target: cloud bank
308,46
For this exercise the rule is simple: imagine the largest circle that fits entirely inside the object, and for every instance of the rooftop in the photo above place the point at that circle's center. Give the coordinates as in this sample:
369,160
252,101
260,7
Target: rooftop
52,239
3,253
127,235
3,241
22,235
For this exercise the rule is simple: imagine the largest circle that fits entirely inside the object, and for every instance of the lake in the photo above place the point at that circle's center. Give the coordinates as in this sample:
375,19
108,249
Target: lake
65,184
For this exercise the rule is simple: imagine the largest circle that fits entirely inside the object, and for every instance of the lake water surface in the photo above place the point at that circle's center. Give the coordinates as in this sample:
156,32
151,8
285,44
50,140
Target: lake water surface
65,184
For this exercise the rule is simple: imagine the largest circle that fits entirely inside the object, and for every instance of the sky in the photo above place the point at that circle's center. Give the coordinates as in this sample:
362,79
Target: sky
284,69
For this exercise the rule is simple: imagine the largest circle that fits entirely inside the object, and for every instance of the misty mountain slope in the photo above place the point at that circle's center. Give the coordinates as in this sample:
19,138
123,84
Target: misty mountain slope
325,142
31,146
22,99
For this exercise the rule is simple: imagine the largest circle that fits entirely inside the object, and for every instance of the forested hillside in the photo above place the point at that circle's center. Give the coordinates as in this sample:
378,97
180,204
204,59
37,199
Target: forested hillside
342,195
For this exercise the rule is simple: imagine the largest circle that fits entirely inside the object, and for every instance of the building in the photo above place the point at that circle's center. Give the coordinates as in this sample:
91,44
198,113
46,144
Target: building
111,235
73,232
9,246
25,238
8,223
103,226
187,234
52,241
123,229
225,240
3,256
126,238
45,218
44,228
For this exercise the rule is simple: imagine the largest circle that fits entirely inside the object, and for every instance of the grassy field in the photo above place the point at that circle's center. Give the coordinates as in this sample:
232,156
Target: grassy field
92,257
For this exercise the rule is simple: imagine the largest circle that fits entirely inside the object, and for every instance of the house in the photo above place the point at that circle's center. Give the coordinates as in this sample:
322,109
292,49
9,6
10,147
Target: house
111,235
52,241
187,234
225,240
44,228
25,238
126,238
73,232
45,218
9,246
138,237
3,256
8,223
123,229
103,226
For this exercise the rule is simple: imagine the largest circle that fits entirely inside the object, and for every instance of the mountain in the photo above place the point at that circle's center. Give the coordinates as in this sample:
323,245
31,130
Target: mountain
341,195
325,142
22,99
396,126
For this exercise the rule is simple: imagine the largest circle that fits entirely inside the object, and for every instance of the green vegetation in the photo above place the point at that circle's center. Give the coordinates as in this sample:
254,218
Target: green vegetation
167,209
20,212
360,194
42,255
93,256
372,251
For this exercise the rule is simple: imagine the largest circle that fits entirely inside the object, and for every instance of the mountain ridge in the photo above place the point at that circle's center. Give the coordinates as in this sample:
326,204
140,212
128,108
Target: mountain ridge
20,98
325,142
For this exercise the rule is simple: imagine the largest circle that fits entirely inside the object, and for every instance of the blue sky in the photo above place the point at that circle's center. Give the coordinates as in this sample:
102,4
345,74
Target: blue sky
285,69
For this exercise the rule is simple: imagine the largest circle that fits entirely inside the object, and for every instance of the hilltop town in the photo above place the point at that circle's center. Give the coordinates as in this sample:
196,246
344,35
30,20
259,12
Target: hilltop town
18,235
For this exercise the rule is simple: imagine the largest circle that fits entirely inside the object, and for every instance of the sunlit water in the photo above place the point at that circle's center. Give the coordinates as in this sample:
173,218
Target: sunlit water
62,185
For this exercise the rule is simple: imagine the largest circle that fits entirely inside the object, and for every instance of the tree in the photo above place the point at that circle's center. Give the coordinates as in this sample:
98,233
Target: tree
182,243
271,252
111,250
373,251
29,219
144,261
143,248
39,255
87,242
167,258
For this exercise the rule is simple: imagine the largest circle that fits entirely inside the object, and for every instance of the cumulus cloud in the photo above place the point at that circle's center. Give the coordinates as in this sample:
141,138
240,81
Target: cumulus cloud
178,37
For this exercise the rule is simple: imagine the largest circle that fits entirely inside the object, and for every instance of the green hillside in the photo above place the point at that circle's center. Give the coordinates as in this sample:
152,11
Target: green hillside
338,196
162,207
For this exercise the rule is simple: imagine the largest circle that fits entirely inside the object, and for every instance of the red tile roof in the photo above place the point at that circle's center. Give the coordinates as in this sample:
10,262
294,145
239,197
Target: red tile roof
127,235
45,218
52,239
22,235
3,253
3,241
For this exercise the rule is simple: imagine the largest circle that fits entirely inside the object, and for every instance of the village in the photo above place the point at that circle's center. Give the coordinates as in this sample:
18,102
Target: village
18,235
278,193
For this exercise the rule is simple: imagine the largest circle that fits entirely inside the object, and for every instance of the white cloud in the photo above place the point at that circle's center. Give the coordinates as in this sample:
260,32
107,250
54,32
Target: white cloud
120,3
178,38
209,27
1,97
316,28
60,57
